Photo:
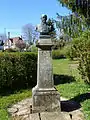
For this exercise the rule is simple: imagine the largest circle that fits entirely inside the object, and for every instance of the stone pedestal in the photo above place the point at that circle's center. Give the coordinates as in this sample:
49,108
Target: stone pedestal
45,96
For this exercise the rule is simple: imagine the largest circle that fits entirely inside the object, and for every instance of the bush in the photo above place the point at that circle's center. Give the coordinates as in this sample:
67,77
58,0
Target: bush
58,54
18,70
34,49
82,48
70,52
11,50
65,52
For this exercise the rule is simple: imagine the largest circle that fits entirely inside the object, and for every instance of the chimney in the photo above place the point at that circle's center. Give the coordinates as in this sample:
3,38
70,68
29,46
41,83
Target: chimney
8,35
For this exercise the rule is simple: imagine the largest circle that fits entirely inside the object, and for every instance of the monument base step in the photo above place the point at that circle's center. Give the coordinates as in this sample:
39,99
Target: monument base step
45,100
48,116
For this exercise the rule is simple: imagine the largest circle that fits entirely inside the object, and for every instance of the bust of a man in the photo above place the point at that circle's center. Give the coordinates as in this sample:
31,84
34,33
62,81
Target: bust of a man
43,28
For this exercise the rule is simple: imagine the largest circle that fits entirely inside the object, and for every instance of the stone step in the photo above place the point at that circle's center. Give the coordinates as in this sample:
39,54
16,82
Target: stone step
34,116
48,116
51,116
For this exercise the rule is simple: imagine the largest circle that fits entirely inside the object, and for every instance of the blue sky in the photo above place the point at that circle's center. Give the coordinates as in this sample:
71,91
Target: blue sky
16,13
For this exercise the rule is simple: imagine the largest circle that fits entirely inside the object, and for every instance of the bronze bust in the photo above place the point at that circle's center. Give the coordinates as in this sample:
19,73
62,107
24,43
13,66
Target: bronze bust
44,28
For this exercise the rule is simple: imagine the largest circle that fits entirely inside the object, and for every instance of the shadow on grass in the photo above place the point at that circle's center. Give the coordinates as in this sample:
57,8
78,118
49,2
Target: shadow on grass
62,79
81,98
69,105
74,103
8,91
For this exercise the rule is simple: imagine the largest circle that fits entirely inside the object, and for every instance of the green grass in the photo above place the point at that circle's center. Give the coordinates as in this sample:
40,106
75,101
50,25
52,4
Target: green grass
72,90
7,101
61,66
67,67
75,90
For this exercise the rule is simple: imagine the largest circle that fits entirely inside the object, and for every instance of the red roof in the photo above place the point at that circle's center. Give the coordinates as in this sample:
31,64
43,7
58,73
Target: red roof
15,39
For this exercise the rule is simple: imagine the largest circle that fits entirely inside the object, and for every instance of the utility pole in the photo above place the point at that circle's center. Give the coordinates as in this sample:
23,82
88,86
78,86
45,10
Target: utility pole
5,34
8,39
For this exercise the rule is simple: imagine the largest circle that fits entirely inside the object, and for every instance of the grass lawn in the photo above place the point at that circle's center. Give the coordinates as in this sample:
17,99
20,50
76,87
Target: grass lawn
68,82
75,90
6,101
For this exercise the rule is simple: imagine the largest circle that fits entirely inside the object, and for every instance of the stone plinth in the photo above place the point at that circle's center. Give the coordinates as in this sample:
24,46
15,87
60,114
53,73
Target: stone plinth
46,100
45,96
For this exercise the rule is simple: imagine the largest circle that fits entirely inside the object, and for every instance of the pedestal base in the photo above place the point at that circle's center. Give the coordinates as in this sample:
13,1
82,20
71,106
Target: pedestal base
45,100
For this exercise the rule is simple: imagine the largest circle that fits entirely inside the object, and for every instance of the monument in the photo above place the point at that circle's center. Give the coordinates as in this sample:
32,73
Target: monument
45,101
45,96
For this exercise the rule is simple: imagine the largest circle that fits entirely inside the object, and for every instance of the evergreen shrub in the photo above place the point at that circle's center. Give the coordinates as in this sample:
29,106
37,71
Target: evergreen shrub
18,70
82,47
58,54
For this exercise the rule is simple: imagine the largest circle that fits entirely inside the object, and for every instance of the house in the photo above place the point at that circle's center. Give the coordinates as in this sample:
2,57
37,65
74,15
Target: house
11,42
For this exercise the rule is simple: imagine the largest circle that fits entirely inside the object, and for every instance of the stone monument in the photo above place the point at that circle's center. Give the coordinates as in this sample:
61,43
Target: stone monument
45,101
45,96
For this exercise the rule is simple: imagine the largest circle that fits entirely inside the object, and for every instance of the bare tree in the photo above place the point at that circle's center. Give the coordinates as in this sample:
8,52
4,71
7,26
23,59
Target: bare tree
29,34
20,44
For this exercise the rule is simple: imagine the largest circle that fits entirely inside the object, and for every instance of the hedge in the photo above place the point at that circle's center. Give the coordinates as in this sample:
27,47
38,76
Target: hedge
81,46
18,70
58,54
